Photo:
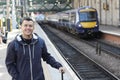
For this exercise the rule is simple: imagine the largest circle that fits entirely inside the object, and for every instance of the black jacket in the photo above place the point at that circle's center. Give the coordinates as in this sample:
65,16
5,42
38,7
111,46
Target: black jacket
23,60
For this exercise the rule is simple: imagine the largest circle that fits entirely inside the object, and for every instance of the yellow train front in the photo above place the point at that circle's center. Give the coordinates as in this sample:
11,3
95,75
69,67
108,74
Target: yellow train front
87,24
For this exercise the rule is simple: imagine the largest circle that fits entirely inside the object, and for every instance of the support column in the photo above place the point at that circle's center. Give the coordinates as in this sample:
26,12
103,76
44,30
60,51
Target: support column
8,15
119,14
76,3
14,22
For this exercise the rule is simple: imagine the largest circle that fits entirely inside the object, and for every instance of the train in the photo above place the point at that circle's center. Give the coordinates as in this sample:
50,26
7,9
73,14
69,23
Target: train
82,21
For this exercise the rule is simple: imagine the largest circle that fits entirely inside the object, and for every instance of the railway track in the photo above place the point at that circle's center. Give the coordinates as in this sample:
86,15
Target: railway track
105,46
84,67
100,45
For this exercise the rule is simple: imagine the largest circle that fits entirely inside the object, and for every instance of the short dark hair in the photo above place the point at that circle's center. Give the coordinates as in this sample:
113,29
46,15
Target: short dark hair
25,18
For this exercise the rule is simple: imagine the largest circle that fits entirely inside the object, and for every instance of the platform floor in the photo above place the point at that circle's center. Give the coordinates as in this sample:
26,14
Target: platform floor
110,29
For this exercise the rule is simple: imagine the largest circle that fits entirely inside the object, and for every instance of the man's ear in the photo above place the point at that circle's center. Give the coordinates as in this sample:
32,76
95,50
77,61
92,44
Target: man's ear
20,26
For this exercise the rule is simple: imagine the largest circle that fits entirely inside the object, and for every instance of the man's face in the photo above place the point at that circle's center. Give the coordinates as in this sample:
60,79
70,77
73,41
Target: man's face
27,27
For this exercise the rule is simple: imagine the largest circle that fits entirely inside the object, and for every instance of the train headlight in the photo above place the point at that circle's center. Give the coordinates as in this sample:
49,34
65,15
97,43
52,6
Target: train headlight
79,25
96,25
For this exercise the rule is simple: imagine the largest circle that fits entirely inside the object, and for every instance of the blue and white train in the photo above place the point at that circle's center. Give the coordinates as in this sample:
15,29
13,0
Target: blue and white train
82,21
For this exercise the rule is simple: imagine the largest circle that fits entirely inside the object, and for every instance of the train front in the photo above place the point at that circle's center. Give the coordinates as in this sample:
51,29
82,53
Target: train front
88,22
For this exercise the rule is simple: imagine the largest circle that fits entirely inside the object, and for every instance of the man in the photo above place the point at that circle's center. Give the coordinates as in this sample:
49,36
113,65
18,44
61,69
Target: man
24,54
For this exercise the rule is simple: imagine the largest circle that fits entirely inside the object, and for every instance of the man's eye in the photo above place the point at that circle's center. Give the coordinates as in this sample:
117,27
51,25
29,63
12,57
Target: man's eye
25,25
30,25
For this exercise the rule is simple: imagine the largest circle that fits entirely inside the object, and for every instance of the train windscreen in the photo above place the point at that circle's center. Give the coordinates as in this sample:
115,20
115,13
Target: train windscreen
87,16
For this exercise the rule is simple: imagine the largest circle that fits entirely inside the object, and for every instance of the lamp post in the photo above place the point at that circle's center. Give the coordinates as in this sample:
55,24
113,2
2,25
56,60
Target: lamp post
8,15
8,11
26,7
119,14
14,23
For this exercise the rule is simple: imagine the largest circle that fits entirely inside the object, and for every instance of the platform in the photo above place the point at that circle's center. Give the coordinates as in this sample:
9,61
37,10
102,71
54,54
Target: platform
110,29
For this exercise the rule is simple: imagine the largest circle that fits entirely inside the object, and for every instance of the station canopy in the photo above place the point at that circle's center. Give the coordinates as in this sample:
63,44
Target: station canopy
49,5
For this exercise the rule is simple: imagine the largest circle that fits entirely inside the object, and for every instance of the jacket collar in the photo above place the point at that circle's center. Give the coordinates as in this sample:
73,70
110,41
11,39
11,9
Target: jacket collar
19,38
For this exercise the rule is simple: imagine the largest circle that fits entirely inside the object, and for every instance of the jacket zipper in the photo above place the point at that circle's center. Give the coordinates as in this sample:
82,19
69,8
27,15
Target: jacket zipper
30,62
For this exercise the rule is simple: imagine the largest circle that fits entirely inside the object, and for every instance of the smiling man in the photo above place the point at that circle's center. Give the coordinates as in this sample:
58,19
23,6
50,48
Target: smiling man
24,53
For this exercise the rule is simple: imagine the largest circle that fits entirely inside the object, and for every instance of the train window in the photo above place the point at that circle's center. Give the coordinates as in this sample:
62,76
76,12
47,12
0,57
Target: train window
88,16
64,18
72,17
